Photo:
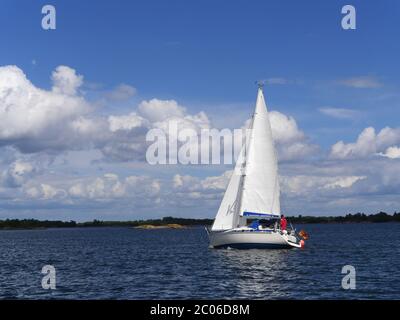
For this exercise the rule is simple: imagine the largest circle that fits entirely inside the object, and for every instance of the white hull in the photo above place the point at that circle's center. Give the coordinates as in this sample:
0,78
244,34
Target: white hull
247,239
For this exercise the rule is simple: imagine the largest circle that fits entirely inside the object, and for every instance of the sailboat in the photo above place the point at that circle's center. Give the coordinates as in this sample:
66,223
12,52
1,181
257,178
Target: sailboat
253,194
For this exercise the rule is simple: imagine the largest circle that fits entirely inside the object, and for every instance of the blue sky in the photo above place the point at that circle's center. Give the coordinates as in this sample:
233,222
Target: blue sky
206,55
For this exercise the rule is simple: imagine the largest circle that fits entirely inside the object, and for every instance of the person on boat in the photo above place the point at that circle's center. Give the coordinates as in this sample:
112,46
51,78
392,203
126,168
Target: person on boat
283,223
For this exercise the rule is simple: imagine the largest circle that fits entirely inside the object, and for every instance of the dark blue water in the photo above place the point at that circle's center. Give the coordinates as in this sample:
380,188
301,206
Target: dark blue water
123,263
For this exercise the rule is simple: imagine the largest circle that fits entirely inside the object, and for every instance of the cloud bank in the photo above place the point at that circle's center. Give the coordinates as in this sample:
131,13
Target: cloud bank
48,138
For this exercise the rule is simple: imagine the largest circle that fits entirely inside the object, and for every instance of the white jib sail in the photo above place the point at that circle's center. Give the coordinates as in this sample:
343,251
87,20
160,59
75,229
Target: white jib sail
261,182
229,208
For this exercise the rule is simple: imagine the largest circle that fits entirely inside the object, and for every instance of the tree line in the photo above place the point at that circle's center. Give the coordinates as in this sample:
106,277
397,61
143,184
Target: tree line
39,224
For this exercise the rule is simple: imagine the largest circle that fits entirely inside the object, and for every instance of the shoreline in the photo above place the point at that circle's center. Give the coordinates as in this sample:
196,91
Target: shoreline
182,223
165,227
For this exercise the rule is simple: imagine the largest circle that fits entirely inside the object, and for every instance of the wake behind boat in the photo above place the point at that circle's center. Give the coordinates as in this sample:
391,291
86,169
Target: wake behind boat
253,193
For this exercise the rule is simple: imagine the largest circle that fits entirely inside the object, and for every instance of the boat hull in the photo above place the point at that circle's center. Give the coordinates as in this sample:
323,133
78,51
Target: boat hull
256,239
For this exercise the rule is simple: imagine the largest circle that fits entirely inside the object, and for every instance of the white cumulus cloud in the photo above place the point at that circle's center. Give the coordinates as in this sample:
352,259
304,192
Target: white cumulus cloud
66,81
156,110
30,114
368,143
391,152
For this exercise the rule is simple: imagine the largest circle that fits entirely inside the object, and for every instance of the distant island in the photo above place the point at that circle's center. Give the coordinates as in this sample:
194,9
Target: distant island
178,223
166,226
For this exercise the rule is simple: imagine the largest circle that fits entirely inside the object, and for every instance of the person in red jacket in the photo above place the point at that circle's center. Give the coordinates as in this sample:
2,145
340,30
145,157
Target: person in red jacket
283,223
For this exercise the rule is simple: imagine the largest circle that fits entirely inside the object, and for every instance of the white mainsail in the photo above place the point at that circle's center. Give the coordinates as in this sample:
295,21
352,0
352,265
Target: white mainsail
261,181
253,189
